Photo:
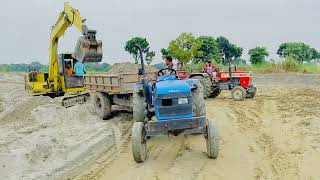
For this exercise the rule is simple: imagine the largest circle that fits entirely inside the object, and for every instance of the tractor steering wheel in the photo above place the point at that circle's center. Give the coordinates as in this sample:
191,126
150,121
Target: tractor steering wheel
167,72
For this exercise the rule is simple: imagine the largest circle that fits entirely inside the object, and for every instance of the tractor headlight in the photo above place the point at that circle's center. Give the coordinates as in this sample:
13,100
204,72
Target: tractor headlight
183,101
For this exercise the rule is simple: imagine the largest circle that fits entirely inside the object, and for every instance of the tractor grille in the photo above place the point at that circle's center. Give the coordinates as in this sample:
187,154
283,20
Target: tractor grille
175,110
173,95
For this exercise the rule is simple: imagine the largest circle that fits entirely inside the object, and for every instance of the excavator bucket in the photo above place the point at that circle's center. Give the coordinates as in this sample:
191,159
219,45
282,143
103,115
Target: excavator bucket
88,48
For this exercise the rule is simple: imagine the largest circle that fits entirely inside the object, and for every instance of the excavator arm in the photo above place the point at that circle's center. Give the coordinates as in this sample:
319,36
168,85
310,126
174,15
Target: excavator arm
87,49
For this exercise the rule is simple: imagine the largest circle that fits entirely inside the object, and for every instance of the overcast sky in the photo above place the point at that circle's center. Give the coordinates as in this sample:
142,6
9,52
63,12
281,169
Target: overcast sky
25,25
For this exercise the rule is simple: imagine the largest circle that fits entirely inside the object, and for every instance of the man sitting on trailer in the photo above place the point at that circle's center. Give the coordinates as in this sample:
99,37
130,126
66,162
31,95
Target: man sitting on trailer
79,69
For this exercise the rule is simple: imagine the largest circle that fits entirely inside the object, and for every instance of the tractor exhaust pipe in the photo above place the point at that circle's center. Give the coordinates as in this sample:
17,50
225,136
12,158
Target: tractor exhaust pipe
143,73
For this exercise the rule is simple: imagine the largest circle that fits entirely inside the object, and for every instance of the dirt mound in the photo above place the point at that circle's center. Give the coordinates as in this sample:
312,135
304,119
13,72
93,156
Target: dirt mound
127,67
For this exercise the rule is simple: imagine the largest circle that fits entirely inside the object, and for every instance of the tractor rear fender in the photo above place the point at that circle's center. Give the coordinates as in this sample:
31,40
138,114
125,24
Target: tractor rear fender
193,83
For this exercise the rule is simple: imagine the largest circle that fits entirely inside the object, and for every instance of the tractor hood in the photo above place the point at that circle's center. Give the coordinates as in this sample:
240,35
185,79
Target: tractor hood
172,86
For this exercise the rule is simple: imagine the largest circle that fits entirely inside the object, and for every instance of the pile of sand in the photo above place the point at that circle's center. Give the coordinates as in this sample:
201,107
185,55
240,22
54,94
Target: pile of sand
127,67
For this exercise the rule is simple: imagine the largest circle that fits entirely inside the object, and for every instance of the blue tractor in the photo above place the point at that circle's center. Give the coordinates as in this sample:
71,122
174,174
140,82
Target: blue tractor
169,106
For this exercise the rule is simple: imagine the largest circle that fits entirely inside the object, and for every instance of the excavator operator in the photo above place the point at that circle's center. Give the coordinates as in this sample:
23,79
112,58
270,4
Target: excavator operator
69,70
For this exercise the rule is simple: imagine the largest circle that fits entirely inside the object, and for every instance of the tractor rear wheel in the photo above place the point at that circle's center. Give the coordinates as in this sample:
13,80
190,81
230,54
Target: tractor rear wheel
212,140
139,143
199,106
215,92
102,105
206,83
238,93
139,107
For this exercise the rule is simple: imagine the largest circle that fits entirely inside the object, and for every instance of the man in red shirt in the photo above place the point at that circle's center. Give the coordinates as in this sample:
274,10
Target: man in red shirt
209,68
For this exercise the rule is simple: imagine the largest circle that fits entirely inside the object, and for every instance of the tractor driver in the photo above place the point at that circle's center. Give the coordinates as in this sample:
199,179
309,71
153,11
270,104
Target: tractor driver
168,62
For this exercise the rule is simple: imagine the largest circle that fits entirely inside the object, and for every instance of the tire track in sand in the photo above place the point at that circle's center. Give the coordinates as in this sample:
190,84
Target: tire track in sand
256,119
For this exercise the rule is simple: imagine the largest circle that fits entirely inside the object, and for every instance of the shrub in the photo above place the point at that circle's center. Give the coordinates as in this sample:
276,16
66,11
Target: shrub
290,64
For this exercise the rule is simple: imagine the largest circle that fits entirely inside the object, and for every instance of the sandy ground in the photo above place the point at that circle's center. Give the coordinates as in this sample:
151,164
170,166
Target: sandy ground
274,136
39,139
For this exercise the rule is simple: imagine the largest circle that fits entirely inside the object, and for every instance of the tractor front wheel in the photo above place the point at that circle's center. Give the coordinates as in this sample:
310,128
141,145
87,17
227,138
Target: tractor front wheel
139,107
212,140
139,143
238,93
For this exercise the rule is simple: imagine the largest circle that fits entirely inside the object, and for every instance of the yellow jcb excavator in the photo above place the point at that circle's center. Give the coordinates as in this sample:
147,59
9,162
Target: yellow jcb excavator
56,83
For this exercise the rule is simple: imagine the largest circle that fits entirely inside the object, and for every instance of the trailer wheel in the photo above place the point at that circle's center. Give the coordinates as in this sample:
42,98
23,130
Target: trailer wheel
139,107
238,93
199,106
206,83
139,143
102,105
212,140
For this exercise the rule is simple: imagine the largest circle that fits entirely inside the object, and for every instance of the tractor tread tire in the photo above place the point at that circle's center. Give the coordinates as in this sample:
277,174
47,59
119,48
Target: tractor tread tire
139,107
242,96
206,83
212,140
104,108
139,145
199,106
215,92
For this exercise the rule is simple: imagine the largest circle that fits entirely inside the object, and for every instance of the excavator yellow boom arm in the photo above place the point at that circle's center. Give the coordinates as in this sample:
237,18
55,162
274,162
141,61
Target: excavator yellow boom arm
68,17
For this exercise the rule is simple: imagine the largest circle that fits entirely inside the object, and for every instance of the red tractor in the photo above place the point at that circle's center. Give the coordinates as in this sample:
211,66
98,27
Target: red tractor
237,81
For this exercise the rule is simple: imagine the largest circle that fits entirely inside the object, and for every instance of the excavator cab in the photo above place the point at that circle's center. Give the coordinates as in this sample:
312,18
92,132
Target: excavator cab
66,59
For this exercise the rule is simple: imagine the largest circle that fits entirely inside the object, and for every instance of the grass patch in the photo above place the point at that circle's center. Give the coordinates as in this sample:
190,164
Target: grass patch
289,65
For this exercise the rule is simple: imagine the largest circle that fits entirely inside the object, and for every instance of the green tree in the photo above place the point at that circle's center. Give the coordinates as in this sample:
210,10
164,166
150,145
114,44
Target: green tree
209,48
297,50
315,54
165,52
149,57
228,51
185,48
141,42
258,55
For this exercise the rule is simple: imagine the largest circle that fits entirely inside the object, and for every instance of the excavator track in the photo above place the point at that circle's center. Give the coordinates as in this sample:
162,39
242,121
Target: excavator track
69,100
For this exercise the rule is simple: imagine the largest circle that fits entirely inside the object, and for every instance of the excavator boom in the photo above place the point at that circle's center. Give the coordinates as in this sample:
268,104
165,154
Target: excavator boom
57,82
87,49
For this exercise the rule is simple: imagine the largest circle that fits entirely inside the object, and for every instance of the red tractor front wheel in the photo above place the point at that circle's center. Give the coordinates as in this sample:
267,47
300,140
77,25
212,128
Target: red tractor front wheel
238,93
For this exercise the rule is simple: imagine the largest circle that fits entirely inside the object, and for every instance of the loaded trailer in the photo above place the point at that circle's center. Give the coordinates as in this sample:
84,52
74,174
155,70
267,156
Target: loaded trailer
112,91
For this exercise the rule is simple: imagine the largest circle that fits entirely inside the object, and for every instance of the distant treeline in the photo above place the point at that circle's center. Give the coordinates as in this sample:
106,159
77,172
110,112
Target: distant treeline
23,67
